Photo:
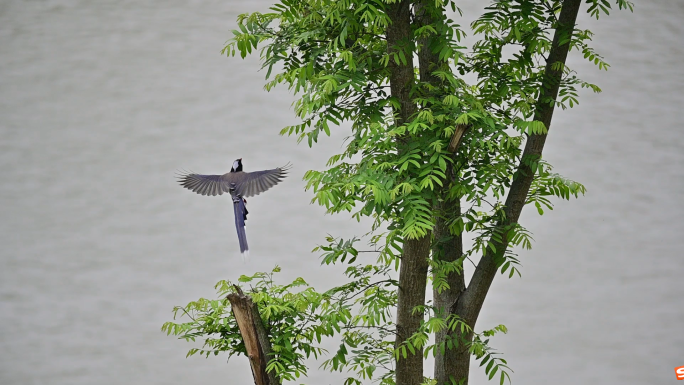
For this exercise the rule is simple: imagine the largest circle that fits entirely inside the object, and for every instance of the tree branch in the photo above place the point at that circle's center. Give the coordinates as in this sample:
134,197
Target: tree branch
470,303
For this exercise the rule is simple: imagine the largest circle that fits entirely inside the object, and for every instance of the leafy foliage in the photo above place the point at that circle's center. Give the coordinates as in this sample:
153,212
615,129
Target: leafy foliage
297,319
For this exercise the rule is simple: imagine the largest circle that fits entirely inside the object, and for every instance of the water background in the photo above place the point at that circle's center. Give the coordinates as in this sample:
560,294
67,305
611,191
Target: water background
101,102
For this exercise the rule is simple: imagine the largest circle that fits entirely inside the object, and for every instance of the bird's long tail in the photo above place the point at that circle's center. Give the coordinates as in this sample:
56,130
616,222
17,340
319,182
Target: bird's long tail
240,216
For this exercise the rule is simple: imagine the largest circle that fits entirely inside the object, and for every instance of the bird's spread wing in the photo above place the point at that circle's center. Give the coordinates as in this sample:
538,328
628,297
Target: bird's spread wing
254,183
203,184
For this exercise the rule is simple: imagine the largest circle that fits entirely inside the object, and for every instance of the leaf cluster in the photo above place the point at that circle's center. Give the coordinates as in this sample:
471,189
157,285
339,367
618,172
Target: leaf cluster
297,318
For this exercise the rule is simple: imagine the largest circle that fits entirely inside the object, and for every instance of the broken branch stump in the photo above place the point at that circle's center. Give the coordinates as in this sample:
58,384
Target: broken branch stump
254,335
456,137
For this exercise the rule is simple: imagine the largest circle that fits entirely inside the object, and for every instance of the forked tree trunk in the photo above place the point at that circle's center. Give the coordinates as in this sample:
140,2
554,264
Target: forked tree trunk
454,365
469,303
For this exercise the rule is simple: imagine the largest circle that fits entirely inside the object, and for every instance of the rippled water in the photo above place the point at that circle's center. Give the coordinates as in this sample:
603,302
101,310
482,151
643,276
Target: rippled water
101,102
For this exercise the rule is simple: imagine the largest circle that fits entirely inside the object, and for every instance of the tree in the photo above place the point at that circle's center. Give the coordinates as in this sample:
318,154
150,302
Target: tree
430,158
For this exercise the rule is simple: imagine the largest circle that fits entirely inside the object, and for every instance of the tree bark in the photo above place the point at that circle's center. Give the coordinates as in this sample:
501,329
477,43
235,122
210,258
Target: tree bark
449,248
415,253
470,302
412,283
399,40
254,335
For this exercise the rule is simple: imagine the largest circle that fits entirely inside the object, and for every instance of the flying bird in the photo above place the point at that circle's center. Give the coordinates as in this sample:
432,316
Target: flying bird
239,185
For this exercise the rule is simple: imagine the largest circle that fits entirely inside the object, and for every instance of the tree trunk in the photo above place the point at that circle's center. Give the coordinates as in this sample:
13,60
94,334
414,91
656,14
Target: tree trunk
470,302
412,283
446,246
254,334
414,258
449,248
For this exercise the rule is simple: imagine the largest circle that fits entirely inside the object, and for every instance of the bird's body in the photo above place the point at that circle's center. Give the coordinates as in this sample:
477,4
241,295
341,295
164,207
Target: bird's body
238,184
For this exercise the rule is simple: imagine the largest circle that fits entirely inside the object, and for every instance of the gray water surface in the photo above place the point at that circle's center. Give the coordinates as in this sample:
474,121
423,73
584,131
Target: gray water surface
101,102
